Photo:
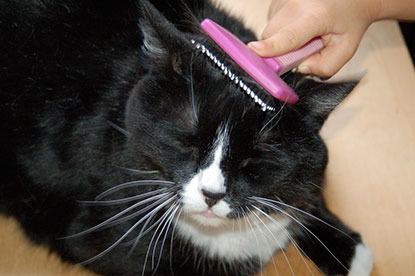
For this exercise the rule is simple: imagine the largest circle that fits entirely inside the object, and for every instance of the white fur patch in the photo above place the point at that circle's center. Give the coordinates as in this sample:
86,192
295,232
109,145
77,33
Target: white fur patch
362,262
239,239
212,180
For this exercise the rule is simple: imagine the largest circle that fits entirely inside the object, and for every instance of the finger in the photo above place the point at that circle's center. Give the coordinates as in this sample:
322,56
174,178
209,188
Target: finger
331,59
276,7
282,16
287,39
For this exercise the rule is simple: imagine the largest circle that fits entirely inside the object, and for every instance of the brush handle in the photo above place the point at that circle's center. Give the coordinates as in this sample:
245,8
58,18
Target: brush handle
252,64
290,60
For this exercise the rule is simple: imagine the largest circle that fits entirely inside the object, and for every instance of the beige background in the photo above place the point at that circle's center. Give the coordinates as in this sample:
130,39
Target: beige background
371,140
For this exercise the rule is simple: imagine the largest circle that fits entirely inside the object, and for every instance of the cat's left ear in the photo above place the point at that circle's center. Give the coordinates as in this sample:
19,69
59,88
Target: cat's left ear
161,39
318,99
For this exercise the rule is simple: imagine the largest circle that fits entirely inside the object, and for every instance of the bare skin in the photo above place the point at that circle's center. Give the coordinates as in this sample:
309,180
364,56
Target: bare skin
340,24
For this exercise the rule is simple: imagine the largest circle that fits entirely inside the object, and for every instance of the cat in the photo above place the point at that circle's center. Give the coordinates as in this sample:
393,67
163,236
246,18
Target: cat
126,149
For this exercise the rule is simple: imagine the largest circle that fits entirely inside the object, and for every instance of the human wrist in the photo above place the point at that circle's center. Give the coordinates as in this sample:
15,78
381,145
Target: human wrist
370,10
396,9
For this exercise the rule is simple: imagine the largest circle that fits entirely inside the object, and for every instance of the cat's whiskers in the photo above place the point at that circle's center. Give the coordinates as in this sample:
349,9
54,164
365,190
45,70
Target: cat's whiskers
248,266
166,229
224,267
247,220
136,183
200,261
272,253
172,216
275,239
135,214
313,184
172,239
123,200
272,118
191,90
120,129
273,206
135,171
144,230
162,219
294,243
117,242
239,223
106,223
280,202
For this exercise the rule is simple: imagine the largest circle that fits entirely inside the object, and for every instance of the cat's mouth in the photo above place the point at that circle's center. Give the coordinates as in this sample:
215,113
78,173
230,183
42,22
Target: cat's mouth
207,217
209,214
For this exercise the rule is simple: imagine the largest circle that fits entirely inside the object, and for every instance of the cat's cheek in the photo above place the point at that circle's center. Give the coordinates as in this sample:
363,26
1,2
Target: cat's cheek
192,198
222,209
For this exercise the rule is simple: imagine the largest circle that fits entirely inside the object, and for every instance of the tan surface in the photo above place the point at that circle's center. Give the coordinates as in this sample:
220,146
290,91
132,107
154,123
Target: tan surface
371,173
18,257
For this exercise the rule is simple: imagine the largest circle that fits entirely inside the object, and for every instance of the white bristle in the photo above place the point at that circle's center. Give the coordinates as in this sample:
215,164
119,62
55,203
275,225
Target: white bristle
227,72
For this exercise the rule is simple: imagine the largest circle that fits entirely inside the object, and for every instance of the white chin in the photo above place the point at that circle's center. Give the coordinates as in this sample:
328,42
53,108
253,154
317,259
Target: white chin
207,221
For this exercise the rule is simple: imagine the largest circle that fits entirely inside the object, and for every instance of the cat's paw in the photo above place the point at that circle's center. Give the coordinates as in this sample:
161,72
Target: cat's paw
362,262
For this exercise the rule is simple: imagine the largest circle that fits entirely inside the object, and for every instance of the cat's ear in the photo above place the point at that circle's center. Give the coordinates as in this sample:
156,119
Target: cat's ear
161,38
318,99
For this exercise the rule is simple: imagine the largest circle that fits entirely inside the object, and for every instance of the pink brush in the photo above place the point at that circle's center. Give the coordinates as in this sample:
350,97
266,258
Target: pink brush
265,71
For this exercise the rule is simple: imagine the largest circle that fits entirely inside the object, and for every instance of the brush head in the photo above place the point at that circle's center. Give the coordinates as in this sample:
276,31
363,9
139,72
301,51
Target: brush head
265,71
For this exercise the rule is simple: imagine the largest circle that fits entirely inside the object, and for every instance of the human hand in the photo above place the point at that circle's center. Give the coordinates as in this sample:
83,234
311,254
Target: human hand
340,24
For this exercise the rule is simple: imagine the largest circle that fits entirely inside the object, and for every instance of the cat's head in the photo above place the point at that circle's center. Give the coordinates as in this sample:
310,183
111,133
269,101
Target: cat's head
201,131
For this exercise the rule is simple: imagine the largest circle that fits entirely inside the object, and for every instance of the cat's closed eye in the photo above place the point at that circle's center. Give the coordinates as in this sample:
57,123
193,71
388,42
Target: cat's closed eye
255,168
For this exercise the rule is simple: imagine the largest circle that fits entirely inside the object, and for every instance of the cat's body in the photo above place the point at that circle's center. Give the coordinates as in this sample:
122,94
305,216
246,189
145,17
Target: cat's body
96,94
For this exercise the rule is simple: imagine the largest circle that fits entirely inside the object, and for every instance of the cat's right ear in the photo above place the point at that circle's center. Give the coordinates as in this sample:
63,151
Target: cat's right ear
318,99
161,39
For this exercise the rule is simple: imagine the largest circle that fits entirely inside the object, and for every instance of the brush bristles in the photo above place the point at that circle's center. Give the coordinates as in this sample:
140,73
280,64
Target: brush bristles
235,79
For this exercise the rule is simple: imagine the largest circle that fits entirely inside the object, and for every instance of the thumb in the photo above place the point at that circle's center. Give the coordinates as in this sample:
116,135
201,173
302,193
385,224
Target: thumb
330,60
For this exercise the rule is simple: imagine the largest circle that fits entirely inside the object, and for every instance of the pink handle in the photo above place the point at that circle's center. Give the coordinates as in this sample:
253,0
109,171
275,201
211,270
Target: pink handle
292,59
265,71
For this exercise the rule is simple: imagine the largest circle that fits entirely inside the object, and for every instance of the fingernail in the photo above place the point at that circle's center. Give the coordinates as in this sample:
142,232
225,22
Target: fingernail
257,45
304,69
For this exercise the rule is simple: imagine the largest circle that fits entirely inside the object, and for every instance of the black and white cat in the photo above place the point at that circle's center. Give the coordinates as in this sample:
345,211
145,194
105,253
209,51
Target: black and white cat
124,147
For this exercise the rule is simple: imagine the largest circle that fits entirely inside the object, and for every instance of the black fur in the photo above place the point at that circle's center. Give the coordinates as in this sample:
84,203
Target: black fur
75,73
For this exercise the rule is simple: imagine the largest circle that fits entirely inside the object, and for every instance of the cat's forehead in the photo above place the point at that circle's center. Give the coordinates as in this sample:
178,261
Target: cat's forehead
221,68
